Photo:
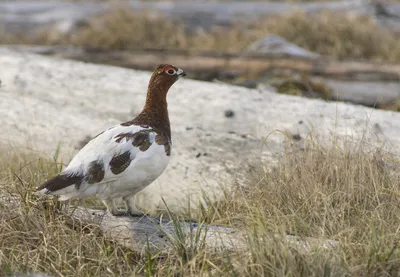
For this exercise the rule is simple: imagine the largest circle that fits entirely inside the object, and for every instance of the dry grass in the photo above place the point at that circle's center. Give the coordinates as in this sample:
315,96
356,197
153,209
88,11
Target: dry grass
337,35
335,193
122,29
340,36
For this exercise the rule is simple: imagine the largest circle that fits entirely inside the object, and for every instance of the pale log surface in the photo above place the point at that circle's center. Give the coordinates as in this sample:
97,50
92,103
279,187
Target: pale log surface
135,232
195,61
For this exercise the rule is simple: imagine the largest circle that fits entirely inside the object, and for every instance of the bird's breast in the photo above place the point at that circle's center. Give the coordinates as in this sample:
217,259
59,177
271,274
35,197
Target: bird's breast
144,168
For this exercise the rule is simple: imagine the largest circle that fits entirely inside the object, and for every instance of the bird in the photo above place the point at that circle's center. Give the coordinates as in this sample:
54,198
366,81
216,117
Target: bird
124,159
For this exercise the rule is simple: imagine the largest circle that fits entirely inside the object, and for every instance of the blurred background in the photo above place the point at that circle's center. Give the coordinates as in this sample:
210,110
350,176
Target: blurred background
335,50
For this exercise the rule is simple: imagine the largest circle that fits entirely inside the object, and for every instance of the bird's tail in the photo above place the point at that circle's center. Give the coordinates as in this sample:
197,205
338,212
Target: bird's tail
62,184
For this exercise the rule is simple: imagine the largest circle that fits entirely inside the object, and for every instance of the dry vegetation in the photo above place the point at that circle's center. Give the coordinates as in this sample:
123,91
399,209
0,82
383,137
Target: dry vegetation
334,193
340,36
327,33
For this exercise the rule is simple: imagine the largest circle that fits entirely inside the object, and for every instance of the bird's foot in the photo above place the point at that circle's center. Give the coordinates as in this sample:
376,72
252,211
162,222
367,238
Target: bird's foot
112,208
127,213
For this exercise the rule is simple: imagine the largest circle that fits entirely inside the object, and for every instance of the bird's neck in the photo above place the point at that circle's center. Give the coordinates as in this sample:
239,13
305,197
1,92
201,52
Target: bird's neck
155,111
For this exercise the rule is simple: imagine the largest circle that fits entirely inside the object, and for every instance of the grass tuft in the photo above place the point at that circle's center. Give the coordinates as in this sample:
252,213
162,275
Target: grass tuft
332,34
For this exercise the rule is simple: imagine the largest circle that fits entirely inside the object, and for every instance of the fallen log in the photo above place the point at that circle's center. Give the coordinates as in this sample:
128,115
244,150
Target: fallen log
197,62
138,233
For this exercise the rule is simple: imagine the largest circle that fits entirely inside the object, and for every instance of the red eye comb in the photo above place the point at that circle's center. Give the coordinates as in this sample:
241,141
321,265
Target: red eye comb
168,67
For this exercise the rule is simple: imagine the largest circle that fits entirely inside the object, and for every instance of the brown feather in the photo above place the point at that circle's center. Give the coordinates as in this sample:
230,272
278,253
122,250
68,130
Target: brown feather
140,139
163,140
61,181
120,162
95,172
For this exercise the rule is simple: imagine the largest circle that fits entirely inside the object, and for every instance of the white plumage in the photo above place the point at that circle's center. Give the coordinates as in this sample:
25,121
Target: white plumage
144,167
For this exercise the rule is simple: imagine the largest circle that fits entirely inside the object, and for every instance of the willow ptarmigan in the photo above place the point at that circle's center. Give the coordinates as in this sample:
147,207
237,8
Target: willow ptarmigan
126,158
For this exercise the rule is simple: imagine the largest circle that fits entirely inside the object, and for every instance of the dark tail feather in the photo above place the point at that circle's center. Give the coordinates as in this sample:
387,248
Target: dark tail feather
61,181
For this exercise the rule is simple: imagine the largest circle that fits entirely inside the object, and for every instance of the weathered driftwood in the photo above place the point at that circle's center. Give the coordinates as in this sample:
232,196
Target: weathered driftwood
137,233
365,83
194,61
384,94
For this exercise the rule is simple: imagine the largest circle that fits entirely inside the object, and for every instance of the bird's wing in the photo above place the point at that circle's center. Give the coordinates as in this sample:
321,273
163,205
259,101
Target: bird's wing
102,159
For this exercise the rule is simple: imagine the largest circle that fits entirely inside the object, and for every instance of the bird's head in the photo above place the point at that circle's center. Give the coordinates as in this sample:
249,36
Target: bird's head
165,76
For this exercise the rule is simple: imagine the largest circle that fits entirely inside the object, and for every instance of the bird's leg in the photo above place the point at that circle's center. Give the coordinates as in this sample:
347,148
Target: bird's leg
112,207
131,207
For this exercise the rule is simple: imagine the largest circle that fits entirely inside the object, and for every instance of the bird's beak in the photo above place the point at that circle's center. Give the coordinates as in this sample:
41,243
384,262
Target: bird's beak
180,73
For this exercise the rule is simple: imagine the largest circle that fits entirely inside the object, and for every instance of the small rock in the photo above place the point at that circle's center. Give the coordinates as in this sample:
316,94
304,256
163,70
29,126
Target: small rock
275,45
296,137
229,113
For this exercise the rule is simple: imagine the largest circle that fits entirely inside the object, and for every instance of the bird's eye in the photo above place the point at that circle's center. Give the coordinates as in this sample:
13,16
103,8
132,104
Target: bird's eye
171,72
